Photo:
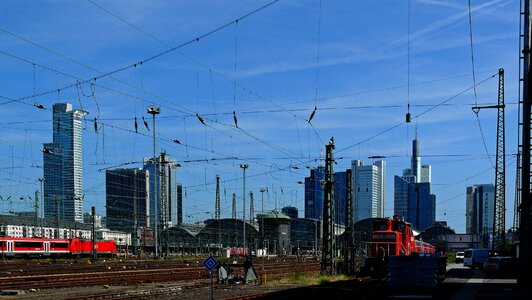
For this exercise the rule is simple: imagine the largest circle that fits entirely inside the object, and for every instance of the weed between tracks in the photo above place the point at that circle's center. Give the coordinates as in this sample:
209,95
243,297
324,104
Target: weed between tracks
301,278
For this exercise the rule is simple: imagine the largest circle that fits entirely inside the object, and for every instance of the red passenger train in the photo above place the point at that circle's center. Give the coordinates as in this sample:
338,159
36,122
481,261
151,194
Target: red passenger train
53,247
393,237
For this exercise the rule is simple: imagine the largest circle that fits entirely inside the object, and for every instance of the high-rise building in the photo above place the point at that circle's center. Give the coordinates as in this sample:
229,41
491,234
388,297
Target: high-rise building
62,165
418,172
413,200
479,210
127,199
314,194
368,189
414,203
426,174
340,192
169,191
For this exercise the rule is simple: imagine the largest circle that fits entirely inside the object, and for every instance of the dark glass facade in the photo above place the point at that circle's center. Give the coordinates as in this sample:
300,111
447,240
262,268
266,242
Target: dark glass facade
127,199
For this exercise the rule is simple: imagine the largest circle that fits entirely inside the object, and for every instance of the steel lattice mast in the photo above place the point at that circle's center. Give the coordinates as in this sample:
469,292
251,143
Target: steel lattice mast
499,210
328,253
525,232
500,172
217,204
349,260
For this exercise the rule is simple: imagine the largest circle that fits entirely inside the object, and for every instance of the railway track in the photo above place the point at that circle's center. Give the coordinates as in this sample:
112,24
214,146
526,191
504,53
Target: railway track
66,275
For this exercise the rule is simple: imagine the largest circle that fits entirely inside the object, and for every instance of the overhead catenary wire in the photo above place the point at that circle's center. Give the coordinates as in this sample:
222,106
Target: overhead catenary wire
474,79
126,67
416,116
201,119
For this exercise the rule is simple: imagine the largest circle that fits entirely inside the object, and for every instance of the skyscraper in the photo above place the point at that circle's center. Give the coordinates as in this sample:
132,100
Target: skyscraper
340,191
418,172
62,165
479,210
314,194
413,200
368,189
127,199
414,203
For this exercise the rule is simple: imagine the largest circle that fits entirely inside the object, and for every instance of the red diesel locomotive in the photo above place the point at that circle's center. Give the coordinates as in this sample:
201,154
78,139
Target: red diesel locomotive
393,237
54,247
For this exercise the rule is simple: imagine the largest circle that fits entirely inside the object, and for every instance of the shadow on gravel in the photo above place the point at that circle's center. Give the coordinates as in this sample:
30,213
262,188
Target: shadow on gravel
354,289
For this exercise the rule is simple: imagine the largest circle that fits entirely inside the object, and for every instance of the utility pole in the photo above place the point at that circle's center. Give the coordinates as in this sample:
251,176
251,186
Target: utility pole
93,233
485,221
348,246
244,167
233,215
262,190
217,214
164,200
328,251
41,179
135,224
36,210
525,230
251,208
152,110
217,204
500,170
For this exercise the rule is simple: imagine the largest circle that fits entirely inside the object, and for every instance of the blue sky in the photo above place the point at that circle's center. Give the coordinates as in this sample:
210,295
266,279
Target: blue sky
353,60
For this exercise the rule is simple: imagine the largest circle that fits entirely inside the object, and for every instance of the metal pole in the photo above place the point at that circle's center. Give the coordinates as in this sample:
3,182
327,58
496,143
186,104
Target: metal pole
262,190
93,237
42,207
244,167
155,111
525,230
210,272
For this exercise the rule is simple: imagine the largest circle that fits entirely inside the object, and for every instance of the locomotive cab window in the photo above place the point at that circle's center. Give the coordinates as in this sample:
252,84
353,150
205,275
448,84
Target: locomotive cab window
401,227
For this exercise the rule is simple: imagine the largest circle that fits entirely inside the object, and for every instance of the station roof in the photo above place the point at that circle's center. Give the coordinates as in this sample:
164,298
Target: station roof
273,215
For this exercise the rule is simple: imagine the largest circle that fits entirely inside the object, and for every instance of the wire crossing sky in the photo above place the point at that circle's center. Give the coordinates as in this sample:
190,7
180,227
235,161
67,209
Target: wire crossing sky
264,83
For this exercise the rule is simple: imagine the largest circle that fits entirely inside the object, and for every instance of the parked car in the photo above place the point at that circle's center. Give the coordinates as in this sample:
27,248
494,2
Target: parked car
492,264
500,264
459,257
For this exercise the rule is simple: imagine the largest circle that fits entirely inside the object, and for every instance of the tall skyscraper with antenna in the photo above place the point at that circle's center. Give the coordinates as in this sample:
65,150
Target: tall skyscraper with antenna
413,200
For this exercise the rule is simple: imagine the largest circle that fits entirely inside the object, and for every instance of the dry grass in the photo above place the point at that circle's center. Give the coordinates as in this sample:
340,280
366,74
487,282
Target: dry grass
307,279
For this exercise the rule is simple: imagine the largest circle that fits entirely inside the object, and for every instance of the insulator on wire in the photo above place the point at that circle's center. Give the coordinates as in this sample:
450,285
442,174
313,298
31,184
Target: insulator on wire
95,125
136,126
200,119
312,114
145,123
234,118
408,118
176,141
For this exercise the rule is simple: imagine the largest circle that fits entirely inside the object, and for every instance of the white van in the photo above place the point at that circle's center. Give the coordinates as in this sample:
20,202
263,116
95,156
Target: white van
474,258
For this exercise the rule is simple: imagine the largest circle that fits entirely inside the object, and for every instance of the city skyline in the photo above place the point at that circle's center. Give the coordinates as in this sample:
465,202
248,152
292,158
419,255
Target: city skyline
267,92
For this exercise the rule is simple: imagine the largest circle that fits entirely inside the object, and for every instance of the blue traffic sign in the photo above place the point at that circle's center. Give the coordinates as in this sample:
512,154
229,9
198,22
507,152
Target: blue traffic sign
210,263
